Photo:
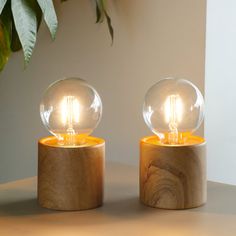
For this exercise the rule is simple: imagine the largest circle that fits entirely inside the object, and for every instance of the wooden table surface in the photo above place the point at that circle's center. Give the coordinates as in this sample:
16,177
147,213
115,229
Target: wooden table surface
122,214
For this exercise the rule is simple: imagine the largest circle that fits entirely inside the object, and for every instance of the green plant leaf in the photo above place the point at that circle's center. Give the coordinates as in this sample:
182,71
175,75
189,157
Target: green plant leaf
5,36
50,16
6,17
101,13
4,49
15,41
110,28
2,5
26,24
39,14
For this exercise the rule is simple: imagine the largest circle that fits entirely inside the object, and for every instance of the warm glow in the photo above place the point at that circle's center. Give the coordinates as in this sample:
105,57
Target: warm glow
173,108
70,115
70,111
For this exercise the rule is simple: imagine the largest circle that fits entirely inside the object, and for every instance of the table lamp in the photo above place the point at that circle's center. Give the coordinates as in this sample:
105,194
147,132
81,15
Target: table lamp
70,163
173,161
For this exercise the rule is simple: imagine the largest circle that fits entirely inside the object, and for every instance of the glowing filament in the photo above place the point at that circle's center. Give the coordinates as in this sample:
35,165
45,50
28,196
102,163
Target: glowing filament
70,113
173,115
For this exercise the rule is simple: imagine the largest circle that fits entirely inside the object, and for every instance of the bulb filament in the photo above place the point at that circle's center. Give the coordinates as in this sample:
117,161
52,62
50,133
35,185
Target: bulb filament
70,116
173,115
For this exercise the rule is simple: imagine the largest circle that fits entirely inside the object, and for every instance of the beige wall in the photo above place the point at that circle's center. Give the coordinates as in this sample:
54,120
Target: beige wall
153,39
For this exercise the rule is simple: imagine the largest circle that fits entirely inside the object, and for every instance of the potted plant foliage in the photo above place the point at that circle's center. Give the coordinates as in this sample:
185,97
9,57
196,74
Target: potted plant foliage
21,19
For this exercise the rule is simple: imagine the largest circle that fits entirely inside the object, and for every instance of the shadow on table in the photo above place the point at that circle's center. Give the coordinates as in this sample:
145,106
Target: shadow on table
220,199
111,212
121,201
22,208
127,208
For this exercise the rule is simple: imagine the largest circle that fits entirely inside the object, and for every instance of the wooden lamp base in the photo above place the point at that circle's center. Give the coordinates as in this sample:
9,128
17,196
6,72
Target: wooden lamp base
173,177
70,178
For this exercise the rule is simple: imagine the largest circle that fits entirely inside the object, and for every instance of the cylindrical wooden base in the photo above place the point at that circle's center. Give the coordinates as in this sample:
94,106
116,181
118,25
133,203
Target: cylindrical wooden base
172,177
70,178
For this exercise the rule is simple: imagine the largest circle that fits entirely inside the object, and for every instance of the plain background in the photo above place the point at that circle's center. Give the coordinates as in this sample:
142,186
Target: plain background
154,39
220,90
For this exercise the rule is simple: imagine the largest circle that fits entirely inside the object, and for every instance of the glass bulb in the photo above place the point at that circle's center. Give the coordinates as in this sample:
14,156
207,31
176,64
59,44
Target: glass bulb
71,109
173,109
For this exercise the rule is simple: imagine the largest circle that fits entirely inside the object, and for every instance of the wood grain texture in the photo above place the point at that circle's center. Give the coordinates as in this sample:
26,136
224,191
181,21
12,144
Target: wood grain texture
70,178
172,177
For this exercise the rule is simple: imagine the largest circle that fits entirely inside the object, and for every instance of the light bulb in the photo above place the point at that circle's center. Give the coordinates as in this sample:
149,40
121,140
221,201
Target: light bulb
173,109
71,109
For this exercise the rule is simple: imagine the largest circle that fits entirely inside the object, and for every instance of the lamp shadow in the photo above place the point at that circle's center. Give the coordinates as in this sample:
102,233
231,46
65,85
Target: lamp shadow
122,202
23,207
126,208
113,211
122,207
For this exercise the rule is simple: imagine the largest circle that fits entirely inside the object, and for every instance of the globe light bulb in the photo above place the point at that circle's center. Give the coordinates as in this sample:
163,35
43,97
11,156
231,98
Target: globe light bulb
173,109
71,109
